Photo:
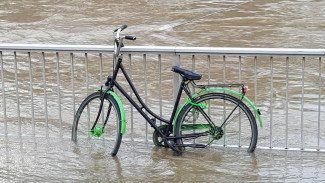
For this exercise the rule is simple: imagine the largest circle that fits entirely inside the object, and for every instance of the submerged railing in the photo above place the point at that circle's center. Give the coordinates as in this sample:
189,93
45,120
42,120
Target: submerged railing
42,85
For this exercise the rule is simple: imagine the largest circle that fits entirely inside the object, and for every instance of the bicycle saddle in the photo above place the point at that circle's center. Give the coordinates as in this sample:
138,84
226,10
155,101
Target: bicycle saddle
190,75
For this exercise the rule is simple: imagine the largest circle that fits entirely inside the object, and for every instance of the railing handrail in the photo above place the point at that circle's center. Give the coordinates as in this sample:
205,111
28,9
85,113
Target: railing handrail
166,49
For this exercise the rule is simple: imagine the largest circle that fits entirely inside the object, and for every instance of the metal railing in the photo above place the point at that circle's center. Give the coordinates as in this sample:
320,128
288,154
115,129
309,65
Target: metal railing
41,86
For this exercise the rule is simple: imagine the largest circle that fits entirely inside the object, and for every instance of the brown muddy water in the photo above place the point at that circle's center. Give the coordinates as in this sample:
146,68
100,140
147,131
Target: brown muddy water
255,23
55,160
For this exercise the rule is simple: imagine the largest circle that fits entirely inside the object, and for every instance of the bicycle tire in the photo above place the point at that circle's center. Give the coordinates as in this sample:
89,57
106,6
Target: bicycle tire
240,129
85,117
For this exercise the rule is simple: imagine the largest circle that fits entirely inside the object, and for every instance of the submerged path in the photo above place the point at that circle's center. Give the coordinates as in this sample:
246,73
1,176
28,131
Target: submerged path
60,160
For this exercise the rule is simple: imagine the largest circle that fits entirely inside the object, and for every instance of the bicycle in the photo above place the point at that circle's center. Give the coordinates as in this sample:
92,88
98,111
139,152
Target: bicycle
205,117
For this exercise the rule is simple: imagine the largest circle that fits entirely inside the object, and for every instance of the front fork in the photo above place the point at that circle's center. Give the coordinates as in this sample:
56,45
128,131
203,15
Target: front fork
97,130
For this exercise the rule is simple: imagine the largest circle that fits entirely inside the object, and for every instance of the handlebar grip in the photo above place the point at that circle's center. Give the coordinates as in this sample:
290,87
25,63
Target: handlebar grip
122,28
130,37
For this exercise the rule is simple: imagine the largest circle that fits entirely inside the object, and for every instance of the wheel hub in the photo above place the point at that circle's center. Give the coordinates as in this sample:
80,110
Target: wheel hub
97,131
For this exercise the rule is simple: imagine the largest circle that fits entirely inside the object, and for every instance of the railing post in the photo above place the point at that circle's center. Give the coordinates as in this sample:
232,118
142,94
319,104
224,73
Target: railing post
17,93
45,95
176,83
131,92
3,96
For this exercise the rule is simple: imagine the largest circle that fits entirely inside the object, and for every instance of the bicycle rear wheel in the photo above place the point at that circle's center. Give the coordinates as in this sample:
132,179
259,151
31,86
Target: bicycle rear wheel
108,128
216,119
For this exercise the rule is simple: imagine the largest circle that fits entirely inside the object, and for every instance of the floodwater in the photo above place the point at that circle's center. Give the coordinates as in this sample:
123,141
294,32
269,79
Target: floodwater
255,23
55,160
259,23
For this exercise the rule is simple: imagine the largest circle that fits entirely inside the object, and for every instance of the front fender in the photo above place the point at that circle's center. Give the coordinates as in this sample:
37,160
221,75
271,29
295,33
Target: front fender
121,108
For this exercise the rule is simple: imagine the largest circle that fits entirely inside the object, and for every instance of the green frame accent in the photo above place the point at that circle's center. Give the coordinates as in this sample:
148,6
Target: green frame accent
219,89
121,107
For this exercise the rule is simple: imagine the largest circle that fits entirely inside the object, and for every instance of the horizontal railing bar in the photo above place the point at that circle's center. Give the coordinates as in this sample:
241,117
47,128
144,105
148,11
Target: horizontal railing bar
250,51
55,48
166,49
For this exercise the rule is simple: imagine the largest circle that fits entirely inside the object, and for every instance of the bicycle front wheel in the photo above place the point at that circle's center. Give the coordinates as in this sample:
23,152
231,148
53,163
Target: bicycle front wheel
216,119
107,130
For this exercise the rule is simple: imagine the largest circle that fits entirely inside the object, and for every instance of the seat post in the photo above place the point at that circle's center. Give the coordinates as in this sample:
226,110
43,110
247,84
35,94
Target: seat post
187,91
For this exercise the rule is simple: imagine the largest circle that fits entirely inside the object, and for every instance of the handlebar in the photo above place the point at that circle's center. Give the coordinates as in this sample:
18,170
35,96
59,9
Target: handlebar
118,30
119,40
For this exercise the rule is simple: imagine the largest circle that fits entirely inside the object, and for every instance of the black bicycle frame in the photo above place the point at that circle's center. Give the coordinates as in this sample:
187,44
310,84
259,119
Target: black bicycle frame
152,122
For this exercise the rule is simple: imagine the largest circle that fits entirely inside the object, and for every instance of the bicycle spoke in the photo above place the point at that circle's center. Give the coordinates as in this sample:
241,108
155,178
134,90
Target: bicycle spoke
206,116
232,119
